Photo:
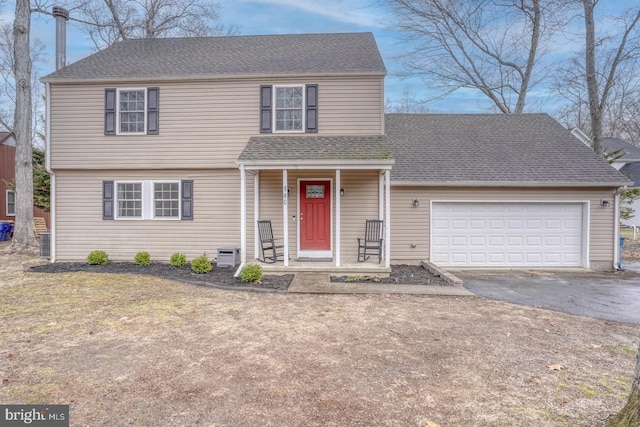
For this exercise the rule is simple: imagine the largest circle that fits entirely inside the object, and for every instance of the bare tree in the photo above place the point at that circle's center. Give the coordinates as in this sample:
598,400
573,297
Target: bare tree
600,81
108,21
408,103
23,237
7,82
487,45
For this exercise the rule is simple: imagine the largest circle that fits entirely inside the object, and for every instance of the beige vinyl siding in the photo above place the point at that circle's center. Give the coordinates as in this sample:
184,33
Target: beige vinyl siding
202,124
80,228
359,203
410,225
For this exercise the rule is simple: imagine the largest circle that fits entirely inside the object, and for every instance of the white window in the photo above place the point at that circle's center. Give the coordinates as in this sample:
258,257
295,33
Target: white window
147,199
166,199
131,110
129,200
289,108
11,203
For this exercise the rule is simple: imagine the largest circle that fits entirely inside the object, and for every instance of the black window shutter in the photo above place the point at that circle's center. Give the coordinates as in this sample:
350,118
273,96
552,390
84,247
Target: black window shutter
110,111
108,199
153,110
312,108
187,199
265,109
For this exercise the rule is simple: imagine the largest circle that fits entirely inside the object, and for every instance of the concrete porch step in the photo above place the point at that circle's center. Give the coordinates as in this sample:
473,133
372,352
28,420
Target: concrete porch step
316,283
330,270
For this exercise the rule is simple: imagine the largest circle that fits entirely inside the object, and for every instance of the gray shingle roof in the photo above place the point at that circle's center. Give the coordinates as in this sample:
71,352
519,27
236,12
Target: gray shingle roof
629,151
203,57
494,150
316,149
632,171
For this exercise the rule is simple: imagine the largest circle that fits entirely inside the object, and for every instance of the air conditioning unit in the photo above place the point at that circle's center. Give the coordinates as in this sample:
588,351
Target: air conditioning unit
228,257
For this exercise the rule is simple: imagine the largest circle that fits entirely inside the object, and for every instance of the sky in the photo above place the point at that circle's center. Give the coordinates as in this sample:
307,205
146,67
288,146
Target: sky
310,16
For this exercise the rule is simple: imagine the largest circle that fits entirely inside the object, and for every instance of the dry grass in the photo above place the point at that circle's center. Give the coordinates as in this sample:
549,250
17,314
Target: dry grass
138,350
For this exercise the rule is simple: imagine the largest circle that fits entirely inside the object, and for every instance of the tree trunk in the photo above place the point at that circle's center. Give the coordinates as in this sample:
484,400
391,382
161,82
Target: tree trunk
629,416
23,236
592,82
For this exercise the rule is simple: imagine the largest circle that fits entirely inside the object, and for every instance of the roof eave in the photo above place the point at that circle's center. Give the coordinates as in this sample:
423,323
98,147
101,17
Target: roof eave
64,80
520,184
316,164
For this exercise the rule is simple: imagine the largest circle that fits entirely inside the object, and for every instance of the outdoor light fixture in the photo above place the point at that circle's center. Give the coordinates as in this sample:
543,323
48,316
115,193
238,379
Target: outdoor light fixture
605,203
416,203
341,192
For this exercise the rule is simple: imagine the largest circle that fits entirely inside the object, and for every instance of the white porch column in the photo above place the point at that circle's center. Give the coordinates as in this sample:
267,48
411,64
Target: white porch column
338,213
381,196
387,219
256,214
243,215
285,214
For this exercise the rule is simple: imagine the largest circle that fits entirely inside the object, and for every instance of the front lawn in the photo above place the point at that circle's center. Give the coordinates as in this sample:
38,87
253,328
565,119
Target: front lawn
145,351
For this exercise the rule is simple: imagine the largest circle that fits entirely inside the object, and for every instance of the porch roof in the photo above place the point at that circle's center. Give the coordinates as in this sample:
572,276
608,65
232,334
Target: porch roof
317,152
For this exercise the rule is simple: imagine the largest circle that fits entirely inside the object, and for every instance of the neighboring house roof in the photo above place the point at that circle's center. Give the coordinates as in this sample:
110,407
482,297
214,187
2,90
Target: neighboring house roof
316,150
632,171
7,138
230,56
492,150
630,153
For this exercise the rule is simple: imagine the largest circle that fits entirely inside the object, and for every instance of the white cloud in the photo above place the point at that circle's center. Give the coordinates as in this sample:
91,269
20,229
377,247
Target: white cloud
346,11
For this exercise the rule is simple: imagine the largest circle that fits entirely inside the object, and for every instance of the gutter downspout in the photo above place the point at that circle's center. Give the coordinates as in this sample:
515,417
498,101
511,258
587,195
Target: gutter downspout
47,165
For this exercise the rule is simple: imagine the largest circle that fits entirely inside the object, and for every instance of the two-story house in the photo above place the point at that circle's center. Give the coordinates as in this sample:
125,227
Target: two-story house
181,145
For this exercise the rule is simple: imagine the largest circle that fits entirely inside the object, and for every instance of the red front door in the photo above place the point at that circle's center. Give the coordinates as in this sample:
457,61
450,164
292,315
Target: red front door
315,215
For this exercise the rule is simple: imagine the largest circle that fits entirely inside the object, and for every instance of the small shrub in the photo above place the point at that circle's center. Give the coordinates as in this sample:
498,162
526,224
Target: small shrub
98,258
201,265
251,273
354,278
142,259
178,260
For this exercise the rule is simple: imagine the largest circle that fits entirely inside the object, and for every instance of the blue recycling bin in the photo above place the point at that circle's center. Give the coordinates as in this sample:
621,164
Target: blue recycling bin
4,231
620,253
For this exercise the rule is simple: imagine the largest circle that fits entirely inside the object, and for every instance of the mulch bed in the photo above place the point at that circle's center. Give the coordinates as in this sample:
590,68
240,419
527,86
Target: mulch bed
223,277
400,274
218,277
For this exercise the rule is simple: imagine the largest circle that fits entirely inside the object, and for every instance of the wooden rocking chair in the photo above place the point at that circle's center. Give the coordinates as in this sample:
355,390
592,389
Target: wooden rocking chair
268,244
372,241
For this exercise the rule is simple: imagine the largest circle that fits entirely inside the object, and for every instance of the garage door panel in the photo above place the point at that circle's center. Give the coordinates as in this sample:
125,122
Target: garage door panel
507,234
460,241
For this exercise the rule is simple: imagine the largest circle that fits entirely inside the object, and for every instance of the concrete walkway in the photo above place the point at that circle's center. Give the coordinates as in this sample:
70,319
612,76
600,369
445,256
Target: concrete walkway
316,283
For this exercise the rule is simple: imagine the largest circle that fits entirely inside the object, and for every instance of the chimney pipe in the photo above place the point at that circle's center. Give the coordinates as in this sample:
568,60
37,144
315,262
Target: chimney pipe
62,16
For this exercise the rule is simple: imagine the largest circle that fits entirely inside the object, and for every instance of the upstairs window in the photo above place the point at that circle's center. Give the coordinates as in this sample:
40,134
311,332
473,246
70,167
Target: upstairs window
289,108
131,111
289,102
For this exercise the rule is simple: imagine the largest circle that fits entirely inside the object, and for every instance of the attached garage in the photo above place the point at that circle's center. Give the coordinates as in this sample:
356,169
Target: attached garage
509,234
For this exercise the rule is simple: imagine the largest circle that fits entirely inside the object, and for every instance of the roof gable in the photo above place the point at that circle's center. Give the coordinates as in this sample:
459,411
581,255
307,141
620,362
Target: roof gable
493,150
231,56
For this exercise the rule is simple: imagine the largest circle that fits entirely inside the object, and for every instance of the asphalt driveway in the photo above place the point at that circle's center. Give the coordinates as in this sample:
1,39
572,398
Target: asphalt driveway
608,296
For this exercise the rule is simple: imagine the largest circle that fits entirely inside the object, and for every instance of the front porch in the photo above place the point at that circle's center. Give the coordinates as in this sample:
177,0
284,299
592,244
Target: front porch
317,193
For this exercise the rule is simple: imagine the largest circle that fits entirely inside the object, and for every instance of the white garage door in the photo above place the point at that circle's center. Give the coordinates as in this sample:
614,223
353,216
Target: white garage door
507,234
